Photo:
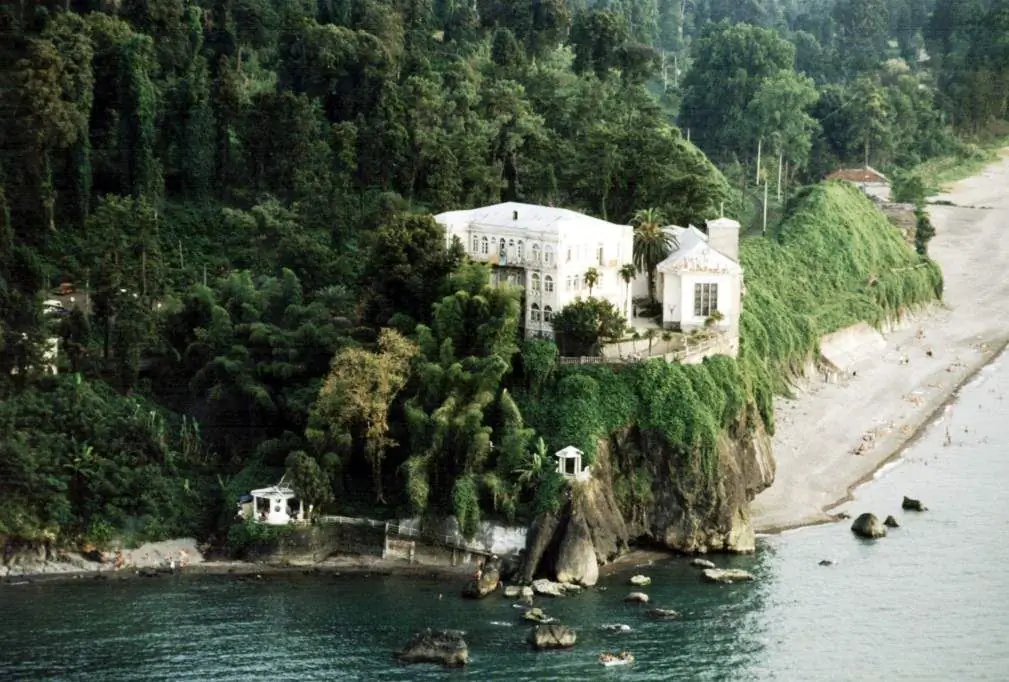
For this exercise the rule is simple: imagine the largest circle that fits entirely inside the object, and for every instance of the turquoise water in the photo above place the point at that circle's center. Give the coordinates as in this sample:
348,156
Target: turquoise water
929,602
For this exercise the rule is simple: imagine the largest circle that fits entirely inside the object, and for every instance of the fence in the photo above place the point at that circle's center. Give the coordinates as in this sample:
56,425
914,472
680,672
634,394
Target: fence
679,355
393,528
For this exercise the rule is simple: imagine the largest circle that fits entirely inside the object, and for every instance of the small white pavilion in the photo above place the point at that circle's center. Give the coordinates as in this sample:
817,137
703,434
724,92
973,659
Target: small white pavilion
272,505
569,463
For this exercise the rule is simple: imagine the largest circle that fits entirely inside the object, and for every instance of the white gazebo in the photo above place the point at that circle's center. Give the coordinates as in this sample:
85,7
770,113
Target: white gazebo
569,463
271,505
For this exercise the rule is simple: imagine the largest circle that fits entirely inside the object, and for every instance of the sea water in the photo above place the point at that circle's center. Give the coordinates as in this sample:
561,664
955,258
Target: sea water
928,602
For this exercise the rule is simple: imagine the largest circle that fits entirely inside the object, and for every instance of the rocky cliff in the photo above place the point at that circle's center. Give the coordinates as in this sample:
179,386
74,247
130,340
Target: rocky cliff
643,491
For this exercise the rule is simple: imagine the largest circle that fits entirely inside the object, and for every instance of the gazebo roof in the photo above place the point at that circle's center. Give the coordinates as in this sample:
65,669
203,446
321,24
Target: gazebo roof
274,491
569,451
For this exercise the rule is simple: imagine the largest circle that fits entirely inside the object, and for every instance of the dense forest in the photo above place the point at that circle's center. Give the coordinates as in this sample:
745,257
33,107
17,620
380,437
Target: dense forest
240,193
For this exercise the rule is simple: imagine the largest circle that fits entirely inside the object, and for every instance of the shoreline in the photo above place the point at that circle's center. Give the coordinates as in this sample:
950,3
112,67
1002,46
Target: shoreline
833,438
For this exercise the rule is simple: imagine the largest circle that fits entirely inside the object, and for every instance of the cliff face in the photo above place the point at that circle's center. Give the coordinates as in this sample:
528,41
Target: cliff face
643,491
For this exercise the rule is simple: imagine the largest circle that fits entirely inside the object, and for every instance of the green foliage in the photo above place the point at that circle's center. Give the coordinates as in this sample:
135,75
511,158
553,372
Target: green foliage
923,231
582,325
249,538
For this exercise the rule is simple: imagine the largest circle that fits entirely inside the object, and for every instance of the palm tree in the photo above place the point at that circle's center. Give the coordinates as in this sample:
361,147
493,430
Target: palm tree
651,243
591,279
627,272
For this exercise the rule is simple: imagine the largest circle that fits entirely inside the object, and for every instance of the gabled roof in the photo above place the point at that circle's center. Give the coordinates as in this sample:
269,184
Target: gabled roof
530,217
694,254
859,175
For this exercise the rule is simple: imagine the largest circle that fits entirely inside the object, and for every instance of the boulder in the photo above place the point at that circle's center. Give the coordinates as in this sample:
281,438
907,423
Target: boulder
826,562
512,591
727,575
640,580
552,636
486,582
911,504
702,563
576,559
537,616
891,522
436,646
868,526
548,588
636,598
661,614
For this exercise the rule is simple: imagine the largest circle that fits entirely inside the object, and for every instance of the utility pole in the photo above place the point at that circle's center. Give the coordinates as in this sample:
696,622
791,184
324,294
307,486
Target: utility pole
764,231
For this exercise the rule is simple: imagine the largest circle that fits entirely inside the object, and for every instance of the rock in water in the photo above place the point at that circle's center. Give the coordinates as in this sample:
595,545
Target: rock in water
636,598
640,580
536,616
576,558
702,563
548,588
436,646
891,522
868,526
727,575
478,588
512,591
661,614
826,562
912,504
552,636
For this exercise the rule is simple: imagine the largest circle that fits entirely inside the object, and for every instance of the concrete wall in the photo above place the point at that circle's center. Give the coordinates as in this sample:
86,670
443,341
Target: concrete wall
315,543
492,537
846,347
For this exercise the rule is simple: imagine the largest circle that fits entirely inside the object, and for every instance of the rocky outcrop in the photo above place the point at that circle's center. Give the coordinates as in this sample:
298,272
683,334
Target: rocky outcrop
552,636
586,532
868,526
447,647
23,557
487,580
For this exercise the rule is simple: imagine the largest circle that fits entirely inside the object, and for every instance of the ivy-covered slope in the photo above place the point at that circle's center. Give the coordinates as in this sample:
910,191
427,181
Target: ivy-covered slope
833,261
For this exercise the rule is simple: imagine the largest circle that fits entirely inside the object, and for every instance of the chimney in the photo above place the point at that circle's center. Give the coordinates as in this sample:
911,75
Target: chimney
515,215
723,236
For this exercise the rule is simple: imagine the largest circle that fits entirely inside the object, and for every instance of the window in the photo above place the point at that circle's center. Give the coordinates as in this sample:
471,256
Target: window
521,250
536,282
569,255
705,299
476,244
578,282
484,246
534,314
548,283
567,283
548,313
599,254
504,248
537,254
548,255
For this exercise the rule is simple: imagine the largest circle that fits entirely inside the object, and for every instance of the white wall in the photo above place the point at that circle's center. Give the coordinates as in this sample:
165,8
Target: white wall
728,299
492,537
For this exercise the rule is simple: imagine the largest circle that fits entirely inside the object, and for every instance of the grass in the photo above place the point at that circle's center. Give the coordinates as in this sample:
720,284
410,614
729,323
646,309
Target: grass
983,150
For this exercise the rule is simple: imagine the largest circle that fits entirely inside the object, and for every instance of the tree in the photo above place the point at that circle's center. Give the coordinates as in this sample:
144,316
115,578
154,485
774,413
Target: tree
779,113
355,398
582,325
627,273
923,230
870,116
591,279
652,244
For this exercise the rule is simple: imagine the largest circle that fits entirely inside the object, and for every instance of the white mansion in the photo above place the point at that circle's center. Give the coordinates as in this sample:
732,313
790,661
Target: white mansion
548,250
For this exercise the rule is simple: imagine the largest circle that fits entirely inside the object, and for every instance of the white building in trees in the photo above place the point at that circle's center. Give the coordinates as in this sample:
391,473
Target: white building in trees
548,251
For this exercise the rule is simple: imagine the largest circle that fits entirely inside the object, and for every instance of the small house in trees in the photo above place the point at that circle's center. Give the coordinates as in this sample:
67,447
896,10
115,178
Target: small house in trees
873,183
547,251
569,463
274,506
700,284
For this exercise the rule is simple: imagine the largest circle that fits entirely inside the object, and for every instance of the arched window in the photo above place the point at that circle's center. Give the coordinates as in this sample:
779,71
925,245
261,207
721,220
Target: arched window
521,250
548,314
548,255
484,246
548,283
567,283
534,314
537,254
476,244
536,282
578,282
503,250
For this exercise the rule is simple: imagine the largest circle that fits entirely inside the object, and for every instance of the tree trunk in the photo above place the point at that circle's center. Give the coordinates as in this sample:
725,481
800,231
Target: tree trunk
760,145
376,475
867,150
780,155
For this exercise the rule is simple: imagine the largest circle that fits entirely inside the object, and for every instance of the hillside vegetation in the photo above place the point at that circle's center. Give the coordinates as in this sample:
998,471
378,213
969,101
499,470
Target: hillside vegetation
239,195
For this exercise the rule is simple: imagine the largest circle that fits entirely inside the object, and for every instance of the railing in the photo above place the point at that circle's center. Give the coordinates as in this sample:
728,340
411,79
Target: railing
671,356
451,540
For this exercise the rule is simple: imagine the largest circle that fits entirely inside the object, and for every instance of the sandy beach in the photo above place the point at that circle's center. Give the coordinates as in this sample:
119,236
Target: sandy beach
895,392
